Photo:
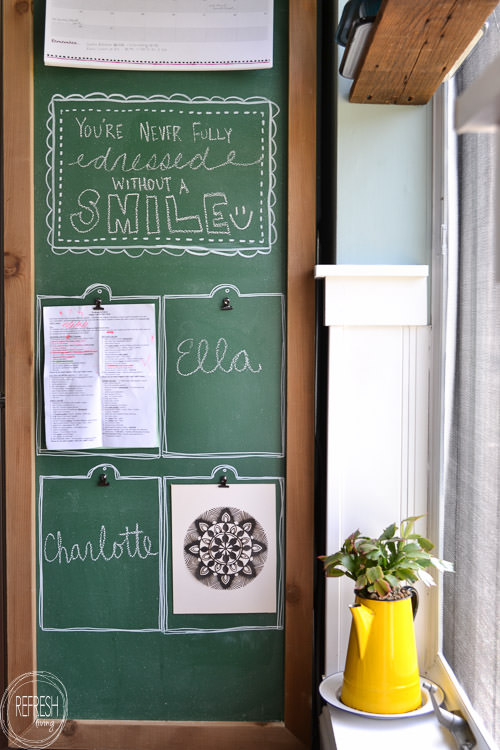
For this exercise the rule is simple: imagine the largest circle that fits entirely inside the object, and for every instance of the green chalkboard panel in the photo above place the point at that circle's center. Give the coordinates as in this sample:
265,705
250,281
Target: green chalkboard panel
105,568
224,374
164,186
101,552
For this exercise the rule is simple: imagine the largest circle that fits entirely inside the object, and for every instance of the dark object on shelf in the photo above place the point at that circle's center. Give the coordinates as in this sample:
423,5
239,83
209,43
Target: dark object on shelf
356,45
354,11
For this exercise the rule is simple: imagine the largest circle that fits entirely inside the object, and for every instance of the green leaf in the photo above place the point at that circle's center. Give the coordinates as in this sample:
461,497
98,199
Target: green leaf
426,544
359,544
367,547
410,548
416,554
406,574
361,581
391,546
348,563
375,555
389,532
349,544
393,580
333,572
374,573
382,587
407,525
331,559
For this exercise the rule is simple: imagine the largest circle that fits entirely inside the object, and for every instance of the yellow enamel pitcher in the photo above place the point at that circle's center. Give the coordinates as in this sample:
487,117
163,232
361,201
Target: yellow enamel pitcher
381,671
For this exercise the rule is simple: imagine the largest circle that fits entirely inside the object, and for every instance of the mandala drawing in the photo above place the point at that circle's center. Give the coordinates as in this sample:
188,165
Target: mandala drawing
225,548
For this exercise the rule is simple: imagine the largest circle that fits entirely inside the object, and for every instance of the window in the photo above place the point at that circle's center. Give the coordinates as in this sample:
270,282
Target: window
470,407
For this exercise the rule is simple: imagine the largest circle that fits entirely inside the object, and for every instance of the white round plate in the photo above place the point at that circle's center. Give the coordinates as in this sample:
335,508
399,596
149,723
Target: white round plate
331,687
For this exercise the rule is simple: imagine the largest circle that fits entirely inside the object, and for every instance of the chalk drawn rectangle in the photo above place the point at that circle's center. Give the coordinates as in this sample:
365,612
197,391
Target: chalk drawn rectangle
161,174
88,297
224,374
101,553
274,491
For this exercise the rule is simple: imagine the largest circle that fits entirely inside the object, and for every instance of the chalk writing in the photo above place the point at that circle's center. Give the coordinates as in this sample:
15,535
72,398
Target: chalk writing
101,129
161,175
152,132
136,213
124,162
211,134
199,359
134,543
245,220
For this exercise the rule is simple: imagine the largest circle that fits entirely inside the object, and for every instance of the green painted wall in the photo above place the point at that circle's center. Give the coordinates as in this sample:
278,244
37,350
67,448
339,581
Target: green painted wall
384,155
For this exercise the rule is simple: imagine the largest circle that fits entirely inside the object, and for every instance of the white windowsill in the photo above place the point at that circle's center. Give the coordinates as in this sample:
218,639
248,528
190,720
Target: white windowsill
341,730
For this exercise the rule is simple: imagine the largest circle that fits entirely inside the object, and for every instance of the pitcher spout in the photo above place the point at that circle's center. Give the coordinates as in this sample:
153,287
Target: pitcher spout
363,620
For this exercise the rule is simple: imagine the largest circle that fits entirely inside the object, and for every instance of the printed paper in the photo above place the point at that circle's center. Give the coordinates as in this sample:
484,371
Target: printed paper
159,34
100,378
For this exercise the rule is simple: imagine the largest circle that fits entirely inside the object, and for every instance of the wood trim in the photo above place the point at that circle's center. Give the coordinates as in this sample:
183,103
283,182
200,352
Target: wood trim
124,735
295,733
19,338
300,367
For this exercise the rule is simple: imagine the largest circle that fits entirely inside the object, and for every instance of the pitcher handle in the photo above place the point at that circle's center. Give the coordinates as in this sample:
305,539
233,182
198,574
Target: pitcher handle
414,598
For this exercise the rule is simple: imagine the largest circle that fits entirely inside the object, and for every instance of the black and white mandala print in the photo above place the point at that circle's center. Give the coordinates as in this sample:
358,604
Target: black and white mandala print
225,548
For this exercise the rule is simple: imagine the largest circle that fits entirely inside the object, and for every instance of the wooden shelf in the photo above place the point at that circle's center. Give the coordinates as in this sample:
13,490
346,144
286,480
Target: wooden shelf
413,47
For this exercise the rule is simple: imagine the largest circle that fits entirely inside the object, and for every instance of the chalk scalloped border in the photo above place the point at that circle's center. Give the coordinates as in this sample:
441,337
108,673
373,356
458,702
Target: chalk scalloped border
174,250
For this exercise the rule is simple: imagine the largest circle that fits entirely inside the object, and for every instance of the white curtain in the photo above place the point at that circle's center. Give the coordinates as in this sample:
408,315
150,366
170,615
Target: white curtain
471,639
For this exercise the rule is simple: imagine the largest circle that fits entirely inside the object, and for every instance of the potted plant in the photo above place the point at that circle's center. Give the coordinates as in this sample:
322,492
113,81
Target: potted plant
382,567
381,673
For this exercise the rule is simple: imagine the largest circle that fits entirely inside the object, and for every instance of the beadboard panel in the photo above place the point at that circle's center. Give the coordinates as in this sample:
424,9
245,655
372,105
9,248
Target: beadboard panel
377,447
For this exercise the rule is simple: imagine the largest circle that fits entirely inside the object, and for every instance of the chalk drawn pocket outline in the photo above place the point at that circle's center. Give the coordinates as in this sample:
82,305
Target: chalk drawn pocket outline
190,358
101,549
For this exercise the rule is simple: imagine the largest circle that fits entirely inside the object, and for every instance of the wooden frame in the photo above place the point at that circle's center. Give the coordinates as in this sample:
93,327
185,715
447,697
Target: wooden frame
295,731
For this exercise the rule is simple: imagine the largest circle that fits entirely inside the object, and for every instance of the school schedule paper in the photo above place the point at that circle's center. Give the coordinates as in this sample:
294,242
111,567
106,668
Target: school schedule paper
100,380
159,34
